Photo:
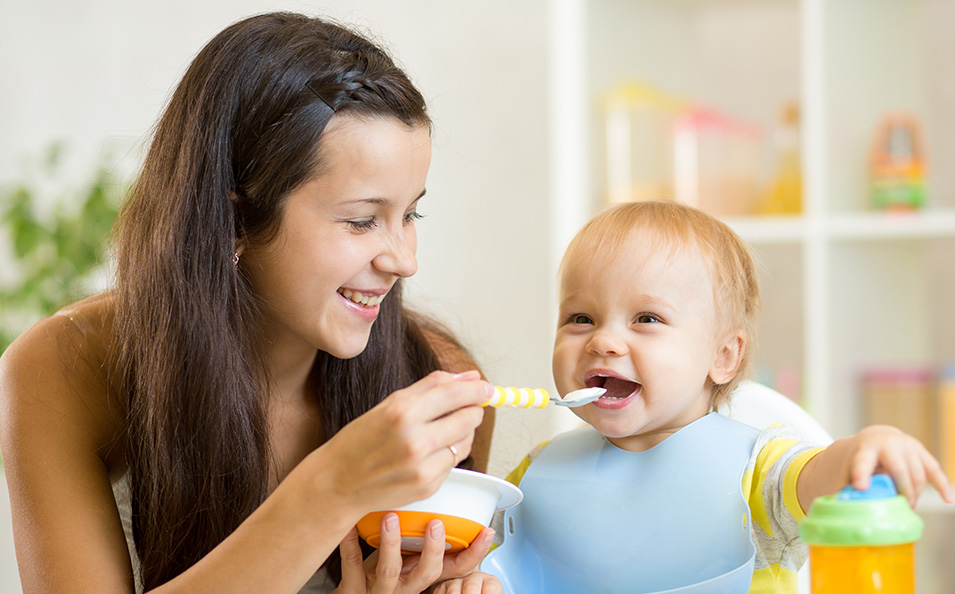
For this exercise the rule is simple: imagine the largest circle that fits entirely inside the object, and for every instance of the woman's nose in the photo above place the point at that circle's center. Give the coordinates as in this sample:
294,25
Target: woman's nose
606,343
397,255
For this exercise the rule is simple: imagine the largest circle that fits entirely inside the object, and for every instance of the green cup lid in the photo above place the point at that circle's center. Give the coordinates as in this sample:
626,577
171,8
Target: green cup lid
876,516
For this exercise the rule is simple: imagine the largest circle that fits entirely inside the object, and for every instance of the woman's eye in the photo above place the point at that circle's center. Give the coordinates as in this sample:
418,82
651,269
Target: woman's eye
647,319
413,216
362,224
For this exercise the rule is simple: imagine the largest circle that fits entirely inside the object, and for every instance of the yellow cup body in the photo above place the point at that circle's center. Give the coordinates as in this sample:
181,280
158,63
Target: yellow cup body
862,569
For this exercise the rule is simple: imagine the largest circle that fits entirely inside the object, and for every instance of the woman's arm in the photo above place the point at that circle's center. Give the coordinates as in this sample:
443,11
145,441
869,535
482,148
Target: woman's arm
59,433
56,433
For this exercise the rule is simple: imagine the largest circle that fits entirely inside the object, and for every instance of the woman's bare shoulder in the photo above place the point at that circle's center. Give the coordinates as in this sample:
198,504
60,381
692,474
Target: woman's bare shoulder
59,369
73,341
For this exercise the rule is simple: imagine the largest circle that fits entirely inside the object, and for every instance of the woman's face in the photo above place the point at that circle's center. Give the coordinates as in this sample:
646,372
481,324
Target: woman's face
345,237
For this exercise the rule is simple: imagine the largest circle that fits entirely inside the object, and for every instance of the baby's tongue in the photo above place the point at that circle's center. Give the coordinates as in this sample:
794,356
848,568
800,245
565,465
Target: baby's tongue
618,388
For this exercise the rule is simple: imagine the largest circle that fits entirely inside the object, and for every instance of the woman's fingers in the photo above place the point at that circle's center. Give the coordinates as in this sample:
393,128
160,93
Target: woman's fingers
353,566
441,393
399,452
424,570
468,560
387,568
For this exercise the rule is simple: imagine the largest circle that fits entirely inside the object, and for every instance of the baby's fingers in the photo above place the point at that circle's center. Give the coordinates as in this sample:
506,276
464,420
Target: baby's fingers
938,479
909,473
476,583
864,465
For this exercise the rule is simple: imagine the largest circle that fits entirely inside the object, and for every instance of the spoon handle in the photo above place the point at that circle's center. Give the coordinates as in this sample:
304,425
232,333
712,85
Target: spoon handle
519,397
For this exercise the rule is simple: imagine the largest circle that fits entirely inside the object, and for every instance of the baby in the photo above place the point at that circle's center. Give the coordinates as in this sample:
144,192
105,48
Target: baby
658,303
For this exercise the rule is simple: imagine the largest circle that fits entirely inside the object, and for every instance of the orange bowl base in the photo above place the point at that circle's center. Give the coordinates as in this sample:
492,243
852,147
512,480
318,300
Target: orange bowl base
459,533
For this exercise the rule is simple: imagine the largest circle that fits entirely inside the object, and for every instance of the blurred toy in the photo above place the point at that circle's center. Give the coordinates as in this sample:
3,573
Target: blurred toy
785,192
946,418
715,161
638,126
897,164
662,147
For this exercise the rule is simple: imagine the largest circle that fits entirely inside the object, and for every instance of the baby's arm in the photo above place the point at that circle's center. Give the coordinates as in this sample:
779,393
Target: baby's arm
877,448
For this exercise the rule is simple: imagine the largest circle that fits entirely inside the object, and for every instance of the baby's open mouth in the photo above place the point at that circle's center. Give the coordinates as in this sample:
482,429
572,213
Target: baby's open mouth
361,299
616,387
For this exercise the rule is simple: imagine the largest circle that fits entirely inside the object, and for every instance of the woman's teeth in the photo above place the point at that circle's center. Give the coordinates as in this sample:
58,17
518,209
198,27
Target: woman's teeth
361,299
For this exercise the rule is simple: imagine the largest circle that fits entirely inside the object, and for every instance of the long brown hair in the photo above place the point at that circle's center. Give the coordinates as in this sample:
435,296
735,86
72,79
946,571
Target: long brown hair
239,134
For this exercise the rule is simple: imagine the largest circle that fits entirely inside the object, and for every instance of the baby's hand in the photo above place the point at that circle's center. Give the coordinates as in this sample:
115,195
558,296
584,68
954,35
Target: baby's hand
475,583
886,449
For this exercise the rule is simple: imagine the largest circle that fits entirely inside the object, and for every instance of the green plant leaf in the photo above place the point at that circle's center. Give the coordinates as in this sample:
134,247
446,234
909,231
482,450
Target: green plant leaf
55,253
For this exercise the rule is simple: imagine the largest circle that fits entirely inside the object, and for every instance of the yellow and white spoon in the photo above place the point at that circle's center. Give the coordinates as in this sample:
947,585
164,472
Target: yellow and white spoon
538,397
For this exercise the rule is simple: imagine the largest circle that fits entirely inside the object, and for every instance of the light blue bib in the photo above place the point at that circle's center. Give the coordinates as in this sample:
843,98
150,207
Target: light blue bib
596,518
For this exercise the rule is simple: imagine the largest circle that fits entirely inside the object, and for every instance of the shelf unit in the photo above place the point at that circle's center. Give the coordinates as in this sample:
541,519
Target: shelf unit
845,287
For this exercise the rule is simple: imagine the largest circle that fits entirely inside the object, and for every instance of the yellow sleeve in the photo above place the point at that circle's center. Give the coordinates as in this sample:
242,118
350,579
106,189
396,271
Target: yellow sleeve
517,475
769,485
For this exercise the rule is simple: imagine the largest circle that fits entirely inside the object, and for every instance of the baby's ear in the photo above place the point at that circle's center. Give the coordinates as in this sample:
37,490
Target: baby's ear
728,359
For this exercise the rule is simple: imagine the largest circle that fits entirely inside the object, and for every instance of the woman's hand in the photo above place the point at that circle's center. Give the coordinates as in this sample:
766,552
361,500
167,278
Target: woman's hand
402,449
386,571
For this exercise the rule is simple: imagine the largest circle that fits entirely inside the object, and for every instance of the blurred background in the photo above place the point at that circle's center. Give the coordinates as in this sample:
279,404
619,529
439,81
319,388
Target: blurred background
823,132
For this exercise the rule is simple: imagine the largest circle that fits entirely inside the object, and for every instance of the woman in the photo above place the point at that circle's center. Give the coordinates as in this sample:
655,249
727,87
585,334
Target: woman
253,385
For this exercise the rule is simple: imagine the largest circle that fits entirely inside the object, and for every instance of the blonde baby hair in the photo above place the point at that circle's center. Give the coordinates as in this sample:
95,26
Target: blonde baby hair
673,226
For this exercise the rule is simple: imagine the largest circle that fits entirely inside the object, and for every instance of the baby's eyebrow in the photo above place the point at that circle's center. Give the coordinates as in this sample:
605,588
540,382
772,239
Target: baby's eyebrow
654,301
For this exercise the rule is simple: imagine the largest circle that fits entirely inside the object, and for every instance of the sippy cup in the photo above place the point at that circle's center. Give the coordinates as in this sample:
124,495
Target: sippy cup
862,541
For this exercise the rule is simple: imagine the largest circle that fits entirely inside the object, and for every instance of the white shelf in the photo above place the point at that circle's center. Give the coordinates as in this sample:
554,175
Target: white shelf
769,229
904,225
863,226
931,503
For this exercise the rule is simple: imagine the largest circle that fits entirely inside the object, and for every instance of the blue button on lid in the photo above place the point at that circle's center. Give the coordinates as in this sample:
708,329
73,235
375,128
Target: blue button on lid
881,486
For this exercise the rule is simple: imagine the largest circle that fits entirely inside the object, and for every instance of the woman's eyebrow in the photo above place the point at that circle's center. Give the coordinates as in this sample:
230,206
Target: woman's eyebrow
377,201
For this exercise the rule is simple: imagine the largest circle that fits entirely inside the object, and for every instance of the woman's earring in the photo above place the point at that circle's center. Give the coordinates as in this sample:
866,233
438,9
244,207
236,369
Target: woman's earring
235,260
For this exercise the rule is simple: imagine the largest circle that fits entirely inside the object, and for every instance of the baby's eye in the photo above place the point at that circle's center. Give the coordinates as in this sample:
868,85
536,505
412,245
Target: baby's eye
413,216
581,319
646,318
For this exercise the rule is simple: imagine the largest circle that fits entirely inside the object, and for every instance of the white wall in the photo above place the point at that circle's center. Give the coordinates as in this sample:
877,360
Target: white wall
96,74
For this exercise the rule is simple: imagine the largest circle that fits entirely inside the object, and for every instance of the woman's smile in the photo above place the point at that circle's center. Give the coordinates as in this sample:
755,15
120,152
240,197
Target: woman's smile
365,304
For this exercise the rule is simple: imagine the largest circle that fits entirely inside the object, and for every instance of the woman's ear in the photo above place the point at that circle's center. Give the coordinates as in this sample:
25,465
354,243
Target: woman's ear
240,242
728,359
239,246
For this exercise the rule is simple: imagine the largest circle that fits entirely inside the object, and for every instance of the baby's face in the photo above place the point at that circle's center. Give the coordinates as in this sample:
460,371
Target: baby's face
642,324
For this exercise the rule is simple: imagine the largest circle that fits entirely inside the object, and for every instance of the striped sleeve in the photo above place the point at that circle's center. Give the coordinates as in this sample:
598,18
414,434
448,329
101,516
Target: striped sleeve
769,484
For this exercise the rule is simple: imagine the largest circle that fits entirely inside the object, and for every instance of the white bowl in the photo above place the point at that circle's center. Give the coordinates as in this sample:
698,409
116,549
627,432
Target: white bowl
465,502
